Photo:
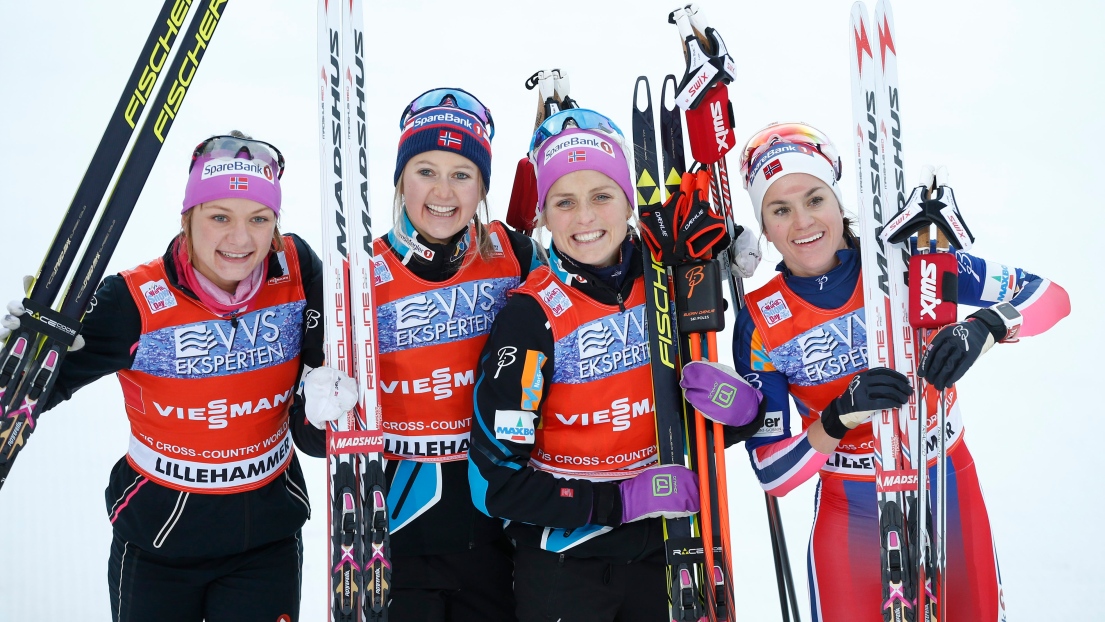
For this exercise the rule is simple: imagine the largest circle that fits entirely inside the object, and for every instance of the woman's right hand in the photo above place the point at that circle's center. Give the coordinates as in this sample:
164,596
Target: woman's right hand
327,395
10,322
874,389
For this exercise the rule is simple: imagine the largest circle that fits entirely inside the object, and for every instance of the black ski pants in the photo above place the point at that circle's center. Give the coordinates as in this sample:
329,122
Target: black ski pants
472,586
259,585
554,587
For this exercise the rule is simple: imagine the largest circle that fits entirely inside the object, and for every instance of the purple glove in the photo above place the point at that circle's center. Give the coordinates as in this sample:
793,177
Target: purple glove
720,394
670,490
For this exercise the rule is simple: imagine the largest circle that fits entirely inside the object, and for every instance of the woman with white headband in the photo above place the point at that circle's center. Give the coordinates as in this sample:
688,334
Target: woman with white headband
802,336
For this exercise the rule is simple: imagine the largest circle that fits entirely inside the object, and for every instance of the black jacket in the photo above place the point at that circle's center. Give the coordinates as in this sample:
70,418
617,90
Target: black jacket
579,517
452,524
181,524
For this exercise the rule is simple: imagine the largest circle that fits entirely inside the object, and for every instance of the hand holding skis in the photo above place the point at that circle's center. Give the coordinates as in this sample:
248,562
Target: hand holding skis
874,389
327,394
745,253
955,348
720,393
669,490
10,323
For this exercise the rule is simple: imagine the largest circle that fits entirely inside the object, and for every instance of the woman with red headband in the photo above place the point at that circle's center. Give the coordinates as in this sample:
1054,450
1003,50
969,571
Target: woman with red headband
802,336
209,342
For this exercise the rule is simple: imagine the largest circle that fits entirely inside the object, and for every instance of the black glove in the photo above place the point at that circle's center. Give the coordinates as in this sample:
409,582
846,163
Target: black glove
875,389
956,347
685,228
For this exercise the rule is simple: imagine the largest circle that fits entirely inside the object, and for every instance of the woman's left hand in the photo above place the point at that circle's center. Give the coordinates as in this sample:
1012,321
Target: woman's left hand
720,394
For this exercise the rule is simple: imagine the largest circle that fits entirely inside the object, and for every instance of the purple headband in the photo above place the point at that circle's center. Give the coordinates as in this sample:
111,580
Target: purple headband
212,179
581,150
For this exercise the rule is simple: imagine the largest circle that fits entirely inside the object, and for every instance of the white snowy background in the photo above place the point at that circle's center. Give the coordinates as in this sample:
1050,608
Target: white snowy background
1008,95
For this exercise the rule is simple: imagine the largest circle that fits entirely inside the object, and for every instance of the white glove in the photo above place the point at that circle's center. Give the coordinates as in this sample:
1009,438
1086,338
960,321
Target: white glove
327,395
10,322
744,254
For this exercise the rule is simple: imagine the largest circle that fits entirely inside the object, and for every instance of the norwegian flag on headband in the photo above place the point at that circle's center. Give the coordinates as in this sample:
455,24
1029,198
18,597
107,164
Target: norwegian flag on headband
577,156
452,140
239,183
772,167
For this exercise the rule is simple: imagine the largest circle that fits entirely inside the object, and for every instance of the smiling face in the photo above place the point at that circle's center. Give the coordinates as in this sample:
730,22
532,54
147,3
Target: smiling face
803,219
441,191
229,238
586,213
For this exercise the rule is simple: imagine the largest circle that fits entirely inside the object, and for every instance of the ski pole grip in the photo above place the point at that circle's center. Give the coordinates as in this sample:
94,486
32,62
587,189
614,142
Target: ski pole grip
933,290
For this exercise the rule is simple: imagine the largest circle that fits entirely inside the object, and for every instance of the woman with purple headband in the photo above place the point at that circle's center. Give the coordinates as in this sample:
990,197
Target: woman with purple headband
564,443
209,341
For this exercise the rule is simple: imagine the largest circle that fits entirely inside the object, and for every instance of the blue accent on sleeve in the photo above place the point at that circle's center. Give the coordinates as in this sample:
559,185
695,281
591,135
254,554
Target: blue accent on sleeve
488,434
560,540
772,384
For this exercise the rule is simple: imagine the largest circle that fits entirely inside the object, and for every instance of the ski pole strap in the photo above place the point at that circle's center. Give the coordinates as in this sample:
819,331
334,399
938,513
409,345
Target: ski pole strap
923,209
702,232
703,69
685,228
45,321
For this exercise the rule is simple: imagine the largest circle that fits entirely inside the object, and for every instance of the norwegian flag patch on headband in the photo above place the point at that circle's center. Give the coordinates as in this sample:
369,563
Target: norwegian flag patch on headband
452,140
577,156
772,167
239,183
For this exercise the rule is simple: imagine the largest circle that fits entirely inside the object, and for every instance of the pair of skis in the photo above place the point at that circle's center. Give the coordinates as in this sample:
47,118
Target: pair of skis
698,551
32,356
360,551
913,578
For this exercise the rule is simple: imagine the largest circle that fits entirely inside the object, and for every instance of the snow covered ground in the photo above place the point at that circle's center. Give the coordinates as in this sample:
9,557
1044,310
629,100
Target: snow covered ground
1004,94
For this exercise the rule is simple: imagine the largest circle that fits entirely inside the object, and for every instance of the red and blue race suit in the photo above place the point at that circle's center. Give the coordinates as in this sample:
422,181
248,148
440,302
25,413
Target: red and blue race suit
810,356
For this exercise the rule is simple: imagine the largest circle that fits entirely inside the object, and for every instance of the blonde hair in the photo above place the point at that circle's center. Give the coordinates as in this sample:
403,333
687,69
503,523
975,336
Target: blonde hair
483,235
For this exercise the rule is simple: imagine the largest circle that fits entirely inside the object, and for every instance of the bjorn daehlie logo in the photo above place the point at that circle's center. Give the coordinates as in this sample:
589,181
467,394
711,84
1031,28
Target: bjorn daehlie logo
694,277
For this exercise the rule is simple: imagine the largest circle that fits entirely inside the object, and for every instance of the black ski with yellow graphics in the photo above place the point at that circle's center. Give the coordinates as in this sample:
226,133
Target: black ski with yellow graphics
683,550
33,354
